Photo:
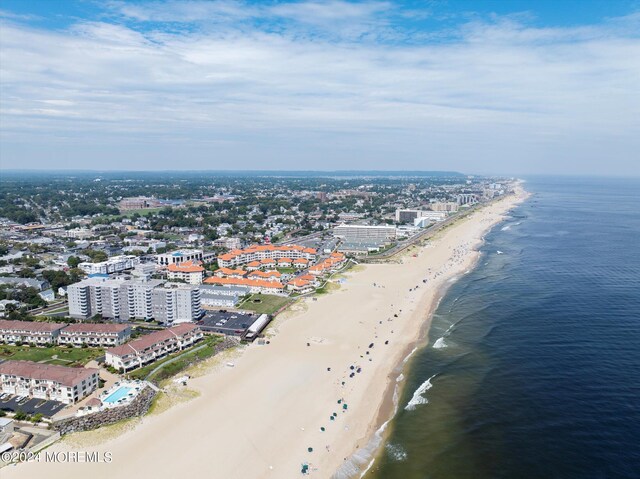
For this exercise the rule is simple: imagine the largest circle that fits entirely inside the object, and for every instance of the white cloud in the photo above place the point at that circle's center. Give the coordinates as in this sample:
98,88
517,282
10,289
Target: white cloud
502,93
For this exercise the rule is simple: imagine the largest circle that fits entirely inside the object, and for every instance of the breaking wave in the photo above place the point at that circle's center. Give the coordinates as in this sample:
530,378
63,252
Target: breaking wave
418,397
439,344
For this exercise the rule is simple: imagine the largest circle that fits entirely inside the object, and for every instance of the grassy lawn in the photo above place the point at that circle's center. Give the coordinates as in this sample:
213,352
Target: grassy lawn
264,303
176,362
287,270
65,356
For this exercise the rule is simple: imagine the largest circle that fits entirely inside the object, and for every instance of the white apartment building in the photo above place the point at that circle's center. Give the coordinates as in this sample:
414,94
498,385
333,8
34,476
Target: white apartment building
95,334
449,207
114,264
175,303
47,381
229,243
179,256
365,233
117,298
29,332
151,347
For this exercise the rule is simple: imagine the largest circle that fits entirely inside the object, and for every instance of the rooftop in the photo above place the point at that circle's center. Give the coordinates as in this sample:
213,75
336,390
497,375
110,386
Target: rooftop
61,374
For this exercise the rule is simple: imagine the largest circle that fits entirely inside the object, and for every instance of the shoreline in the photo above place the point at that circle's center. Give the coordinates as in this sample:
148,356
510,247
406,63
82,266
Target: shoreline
396,384
290,387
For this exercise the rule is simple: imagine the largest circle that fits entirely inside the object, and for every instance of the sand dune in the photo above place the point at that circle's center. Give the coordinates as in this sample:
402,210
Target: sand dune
258,419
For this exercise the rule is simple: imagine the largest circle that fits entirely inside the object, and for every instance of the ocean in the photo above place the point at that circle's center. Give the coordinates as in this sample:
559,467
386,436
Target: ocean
532,364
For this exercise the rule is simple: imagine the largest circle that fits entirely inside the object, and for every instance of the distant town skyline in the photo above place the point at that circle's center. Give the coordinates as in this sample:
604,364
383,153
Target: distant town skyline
491,87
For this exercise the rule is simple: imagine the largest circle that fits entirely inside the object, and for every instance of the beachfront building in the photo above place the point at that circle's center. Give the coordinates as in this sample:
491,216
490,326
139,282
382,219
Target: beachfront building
151,347
329,265
29,332
95,334
190,272
265,252
414,216
448,207
212,296
365,233
47,381
467,199
254,285
303,284
126,299
114,264
175,303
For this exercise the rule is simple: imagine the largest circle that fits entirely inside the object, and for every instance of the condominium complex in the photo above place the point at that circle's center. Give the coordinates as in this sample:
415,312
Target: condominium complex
116,298
265,252
467,199
41,333
47,381
190,272
212,296
254,285
29,332
95,334
355,233
228,243
114,264
412,216
151,347
449,207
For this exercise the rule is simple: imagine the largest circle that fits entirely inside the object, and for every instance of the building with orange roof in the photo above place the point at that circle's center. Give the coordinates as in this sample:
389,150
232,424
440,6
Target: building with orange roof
265,275
190,272
253,265
229,273
255,285
262,252
300,263
300,285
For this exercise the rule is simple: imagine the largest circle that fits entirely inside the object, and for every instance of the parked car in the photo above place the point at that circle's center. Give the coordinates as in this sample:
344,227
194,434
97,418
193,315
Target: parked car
19,398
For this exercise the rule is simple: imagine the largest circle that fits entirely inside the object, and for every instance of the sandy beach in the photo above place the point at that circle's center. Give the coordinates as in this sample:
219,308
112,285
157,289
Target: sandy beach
259,418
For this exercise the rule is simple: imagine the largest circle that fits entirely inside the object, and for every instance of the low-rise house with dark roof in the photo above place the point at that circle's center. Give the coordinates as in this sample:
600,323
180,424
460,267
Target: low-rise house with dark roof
47,381
95,334
31,332
151,347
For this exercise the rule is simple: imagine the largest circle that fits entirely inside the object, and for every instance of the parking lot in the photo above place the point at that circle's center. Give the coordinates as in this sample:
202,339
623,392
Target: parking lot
30,406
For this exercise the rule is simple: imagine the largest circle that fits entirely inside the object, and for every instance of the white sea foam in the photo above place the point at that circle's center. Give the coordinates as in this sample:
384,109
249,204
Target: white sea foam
396,452
400,378
505,228
418,397
439,344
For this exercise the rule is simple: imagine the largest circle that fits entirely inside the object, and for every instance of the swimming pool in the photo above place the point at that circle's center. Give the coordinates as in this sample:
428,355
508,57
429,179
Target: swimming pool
116,395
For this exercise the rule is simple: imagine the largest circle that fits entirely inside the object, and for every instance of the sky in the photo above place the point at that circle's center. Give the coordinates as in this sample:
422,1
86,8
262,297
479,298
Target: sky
478,86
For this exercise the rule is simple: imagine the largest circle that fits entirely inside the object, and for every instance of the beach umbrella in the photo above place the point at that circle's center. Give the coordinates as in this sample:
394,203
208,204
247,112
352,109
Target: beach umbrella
310,449
322,429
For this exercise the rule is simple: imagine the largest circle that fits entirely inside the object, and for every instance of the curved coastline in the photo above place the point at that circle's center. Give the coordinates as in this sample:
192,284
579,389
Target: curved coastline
291,385
367,455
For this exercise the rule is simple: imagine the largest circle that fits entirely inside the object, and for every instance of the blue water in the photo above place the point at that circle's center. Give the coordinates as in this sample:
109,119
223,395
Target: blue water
536,369
118,394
